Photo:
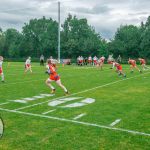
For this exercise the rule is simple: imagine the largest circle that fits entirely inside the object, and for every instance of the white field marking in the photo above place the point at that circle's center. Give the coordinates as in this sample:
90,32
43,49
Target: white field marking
79,104
115,122
38,97
79,116
62,100
48,111
105,85
29,99
20,101
79,122
88,100
25,100
4,103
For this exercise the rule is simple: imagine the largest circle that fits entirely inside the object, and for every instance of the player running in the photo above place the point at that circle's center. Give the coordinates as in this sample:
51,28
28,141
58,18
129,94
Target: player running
53,76
143,63
132,63
28,65
119,69
1,69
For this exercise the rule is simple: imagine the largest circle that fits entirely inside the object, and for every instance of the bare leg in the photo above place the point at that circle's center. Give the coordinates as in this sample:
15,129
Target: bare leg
48,83
61,85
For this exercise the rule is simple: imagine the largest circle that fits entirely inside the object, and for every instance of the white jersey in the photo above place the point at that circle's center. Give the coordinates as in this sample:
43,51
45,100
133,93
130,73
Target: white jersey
90,58
28,62
95,58
1,62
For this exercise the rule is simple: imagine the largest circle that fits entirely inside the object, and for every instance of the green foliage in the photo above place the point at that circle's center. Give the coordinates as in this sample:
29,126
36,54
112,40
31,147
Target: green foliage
126,42
40,36
78,38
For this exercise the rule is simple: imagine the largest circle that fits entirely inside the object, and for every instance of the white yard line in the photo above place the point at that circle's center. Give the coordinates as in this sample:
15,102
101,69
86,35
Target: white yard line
115,122
105,85
49,111
79,116
79,122
4,103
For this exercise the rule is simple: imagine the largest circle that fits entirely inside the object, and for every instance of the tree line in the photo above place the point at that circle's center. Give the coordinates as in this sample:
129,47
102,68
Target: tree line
40,36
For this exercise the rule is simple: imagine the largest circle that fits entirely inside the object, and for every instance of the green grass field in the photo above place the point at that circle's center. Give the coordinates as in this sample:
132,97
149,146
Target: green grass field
102,112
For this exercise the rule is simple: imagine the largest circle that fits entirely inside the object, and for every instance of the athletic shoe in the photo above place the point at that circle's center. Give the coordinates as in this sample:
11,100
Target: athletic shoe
53,91
132,71
66,93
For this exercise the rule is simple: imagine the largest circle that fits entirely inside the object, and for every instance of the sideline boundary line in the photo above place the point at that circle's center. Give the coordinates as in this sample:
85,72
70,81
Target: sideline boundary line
79,122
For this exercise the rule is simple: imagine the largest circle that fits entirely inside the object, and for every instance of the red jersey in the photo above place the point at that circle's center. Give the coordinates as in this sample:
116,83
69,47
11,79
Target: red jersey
142,61
118,66
132,62
53,73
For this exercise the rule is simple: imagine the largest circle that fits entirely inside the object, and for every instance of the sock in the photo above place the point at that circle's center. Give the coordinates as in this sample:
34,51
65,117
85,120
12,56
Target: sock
52,87
2,77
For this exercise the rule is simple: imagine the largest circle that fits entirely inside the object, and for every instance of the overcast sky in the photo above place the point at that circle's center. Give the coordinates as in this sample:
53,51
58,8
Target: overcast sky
105,15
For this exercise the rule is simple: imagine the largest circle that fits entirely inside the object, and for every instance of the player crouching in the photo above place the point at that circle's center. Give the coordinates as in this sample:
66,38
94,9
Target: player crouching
53,76
1,69
118,69
28,65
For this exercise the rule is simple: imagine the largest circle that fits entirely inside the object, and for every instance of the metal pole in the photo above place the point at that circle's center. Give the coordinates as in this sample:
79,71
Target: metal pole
59,32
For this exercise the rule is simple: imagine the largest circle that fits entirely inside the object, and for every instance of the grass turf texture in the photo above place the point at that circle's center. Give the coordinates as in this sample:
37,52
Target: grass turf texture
127,100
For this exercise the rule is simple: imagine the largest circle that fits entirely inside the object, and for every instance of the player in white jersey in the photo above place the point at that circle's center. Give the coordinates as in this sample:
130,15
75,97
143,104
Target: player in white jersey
101,62
90,60
1,69
95,61
28,65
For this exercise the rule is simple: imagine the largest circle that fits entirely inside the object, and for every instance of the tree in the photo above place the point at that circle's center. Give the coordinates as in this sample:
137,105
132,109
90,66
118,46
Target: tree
41,37
126,42
145,40
78,38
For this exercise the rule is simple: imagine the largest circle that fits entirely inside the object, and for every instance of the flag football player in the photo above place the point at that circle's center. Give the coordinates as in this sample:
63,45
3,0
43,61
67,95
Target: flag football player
143,63
1,69
119,69
28,65
133,65
54,77
101,62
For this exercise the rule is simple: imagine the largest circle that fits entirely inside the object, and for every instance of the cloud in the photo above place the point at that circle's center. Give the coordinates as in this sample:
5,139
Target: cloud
105,15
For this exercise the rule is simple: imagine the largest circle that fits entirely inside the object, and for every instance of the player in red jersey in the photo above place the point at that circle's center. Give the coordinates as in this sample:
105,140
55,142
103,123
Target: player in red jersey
132,63
143,63
53,76
119,69
1,69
